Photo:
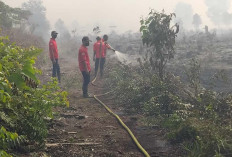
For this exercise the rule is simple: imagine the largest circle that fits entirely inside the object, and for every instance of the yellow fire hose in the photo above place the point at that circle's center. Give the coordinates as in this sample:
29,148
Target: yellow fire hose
92,82
125,127
120,121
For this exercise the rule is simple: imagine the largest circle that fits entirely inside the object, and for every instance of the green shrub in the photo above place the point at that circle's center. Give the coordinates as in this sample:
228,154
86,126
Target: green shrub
24,103
184,133
202,124
9,140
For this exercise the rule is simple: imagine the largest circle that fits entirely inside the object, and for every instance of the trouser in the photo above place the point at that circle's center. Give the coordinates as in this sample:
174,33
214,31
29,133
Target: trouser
56,70
102,62
86,80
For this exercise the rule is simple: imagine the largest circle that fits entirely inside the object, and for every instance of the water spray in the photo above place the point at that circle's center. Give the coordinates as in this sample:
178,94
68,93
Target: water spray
125,58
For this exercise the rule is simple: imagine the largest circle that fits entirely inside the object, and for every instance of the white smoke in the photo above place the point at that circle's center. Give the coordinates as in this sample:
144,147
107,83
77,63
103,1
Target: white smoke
218,11
184,13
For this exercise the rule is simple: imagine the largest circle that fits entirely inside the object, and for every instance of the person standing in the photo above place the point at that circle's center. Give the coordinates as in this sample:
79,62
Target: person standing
84,65
53,52
96,53
104,47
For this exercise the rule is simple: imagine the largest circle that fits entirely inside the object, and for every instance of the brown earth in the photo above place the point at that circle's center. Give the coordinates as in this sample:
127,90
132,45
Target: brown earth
87,129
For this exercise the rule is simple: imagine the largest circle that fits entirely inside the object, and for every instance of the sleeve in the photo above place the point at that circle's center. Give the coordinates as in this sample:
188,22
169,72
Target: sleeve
51,46
107,46
51,49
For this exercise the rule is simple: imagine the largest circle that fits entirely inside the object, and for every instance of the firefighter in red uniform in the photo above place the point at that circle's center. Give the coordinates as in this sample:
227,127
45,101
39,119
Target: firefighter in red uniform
104,47
96,53
53,52
84,65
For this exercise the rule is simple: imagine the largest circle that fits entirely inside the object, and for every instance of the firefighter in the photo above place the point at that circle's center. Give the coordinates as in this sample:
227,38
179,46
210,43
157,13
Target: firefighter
84,65
104,47
96,53
53,52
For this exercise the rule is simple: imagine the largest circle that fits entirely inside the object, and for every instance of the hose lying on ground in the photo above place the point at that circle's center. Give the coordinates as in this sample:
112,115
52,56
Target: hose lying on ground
125,127
120,121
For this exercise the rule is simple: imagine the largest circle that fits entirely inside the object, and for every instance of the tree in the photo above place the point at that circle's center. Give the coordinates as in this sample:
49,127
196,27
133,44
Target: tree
96,30
160,37
39,24
193,75
196,21
12,16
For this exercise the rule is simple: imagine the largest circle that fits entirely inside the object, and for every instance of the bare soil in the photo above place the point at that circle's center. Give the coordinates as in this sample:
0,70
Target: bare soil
86,129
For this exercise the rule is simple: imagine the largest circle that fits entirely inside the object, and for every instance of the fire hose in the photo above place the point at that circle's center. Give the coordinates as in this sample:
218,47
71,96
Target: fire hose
120,121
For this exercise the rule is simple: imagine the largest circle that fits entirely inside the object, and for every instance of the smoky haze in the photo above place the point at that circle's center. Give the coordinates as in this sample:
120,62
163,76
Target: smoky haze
218,11
184,13
39,25
124,15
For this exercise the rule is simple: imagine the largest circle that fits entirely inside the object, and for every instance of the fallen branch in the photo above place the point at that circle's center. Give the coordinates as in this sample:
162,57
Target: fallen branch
79,144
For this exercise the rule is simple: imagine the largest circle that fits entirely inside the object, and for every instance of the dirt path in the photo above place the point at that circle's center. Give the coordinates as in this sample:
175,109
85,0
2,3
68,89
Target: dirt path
86,129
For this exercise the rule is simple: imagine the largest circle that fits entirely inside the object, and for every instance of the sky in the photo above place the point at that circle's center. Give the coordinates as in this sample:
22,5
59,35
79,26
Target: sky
124,14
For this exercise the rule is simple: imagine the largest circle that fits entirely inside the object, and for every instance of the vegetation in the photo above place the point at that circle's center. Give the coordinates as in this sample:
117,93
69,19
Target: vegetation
200,122
160,36
198,119
12,16
24,103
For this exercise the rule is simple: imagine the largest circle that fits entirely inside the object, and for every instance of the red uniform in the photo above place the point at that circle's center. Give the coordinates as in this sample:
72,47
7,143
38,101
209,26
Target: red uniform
53,49
105,46
97,48
83,56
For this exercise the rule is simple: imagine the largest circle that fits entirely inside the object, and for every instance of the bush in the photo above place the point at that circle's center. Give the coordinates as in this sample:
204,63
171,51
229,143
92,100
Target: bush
201,122
24,103
9,140
184,133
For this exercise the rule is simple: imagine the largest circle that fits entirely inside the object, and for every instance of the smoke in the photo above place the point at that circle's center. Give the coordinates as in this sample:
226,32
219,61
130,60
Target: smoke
62,29
197,21
39,25
184,13
218,11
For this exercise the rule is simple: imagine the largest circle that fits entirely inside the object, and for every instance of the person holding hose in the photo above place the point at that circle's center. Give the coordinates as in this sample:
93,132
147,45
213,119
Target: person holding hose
96,53
84,65
104,47
53,52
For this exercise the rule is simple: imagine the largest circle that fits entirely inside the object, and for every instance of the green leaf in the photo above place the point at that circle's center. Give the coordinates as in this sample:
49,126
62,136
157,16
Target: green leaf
28,70
17,79
0,67
142,28
4,154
